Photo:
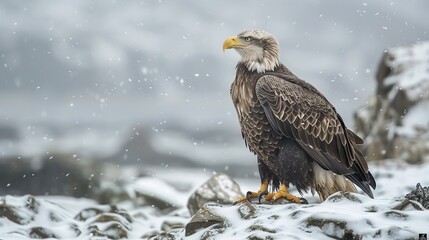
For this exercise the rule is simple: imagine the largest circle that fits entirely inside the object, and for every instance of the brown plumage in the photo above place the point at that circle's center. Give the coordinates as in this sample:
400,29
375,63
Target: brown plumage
296,134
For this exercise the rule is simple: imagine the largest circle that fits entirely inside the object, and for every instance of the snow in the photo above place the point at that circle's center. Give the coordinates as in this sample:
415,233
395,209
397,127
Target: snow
328,211
410,66
358,216
394,180
163,190
417,117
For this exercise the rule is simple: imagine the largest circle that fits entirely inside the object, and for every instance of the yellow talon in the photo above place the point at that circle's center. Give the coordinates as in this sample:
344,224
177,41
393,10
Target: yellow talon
250,195
263,192
284,193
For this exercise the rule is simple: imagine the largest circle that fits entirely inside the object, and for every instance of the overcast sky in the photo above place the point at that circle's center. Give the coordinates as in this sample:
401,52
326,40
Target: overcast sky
152,61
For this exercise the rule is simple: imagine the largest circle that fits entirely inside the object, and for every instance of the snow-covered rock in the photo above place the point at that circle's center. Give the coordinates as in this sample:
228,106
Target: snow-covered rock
144,191
144,215
341,216
221,188
395,122
28,217
156,208
420,194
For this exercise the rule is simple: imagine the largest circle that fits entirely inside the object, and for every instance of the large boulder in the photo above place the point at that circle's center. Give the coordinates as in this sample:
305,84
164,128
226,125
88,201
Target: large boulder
395,122
221,189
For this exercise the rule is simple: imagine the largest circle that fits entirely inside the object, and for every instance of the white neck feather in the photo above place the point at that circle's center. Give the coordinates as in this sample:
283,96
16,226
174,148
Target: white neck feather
263,66
258,59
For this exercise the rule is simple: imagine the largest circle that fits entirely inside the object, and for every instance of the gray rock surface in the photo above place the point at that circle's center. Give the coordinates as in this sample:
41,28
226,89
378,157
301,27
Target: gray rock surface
204,218
146,191
420,194
221,188
395,121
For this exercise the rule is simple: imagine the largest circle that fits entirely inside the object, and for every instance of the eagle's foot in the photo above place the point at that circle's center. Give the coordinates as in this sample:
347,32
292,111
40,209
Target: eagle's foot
262,195
249,195
284,193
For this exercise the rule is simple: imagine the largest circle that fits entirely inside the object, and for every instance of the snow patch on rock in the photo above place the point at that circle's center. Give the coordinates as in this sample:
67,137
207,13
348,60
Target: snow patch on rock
395,122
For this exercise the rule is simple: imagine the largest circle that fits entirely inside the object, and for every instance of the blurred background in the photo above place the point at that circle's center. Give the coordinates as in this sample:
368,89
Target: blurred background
146,84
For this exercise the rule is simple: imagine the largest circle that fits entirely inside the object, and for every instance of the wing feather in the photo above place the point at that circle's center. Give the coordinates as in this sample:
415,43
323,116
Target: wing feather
299,112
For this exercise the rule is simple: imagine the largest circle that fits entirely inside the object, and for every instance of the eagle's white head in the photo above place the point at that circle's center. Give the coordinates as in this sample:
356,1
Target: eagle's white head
258,49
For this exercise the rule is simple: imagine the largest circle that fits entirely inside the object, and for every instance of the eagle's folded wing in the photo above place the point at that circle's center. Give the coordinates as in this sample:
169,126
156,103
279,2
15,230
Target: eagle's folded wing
299,112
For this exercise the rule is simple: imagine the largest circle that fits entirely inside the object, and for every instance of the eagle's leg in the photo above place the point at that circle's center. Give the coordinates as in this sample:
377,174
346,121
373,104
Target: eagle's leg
284,193
249,195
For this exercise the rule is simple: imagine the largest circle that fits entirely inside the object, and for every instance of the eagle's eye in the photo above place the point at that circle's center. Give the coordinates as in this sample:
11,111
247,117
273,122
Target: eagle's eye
247,39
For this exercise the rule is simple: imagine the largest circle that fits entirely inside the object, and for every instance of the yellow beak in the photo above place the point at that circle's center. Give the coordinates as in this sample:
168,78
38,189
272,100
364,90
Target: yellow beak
231,42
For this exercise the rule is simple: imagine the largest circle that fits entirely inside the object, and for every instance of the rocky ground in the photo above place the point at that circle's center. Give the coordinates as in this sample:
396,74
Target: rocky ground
179,207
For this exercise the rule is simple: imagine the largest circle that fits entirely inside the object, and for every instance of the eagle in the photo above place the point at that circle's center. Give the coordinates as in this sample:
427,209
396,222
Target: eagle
296,133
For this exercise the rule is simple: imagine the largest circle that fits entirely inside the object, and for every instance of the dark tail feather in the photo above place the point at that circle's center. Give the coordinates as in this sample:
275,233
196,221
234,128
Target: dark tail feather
361,184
